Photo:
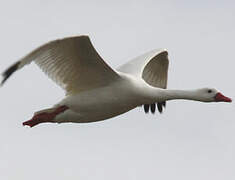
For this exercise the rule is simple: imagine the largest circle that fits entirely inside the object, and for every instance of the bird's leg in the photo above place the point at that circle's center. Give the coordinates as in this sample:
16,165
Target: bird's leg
45,116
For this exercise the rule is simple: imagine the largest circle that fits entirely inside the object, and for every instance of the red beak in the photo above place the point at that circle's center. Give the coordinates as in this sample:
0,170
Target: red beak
221,98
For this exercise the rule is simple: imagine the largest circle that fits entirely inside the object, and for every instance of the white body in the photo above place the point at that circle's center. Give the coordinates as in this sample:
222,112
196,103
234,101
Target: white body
105,102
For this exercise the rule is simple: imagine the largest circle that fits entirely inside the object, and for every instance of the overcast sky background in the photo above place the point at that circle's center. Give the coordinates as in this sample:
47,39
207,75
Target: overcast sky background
190,140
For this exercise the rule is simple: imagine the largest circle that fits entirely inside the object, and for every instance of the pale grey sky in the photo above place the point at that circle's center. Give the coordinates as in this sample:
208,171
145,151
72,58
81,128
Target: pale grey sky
190,140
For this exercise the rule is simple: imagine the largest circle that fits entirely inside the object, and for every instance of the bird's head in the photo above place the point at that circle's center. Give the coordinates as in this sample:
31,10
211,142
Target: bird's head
212,95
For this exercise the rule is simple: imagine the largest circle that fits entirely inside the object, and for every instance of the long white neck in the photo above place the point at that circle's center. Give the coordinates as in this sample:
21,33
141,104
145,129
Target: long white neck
170,94
159,95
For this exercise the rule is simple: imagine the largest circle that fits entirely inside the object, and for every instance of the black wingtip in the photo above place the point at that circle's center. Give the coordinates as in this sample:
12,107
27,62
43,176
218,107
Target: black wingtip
164,103
159,107
6,74
153,108
146,108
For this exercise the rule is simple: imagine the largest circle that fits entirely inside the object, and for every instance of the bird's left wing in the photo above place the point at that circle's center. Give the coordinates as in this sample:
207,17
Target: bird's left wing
153,68
72,63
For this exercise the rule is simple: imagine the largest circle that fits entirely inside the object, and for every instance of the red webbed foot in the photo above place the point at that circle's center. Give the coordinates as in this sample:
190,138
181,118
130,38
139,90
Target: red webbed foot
45,116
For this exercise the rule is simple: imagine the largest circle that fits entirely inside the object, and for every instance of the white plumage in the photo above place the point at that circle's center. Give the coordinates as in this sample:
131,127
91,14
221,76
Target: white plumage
68,61
95,91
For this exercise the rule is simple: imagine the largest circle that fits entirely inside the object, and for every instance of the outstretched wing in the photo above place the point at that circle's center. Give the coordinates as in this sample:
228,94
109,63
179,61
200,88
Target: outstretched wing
72,63
153,68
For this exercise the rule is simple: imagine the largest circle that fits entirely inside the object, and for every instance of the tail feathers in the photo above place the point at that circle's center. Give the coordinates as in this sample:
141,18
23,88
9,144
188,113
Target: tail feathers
6,74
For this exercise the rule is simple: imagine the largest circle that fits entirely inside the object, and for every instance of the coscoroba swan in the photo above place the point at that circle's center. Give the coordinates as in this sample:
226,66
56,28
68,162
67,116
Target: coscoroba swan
96,92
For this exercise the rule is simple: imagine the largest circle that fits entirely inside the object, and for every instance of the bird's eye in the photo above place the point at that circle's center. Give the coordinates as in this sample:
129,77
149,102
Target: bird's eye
209,91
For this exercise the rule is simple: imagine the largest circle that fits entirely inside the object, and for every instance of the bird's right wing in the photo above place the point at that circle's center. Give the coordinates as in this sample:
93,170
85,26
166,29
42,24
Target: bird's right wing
153,68
72,63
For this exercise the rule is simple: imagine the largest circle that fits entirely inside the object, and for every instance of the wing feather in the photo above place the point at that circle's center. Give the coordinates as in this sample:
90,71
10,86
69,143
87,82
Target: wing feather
153,68
72,63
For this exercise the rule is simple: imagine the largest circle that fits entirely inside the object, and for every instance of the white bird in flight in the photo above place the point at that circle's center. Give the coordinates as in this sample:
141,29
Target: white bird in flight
95,91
